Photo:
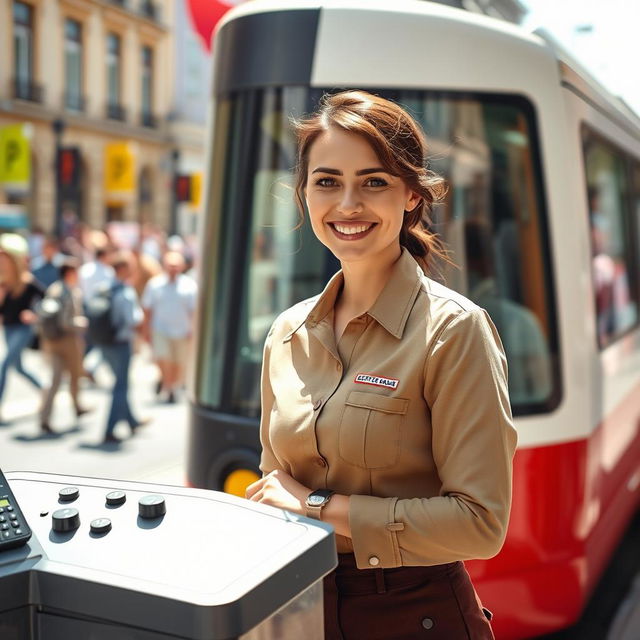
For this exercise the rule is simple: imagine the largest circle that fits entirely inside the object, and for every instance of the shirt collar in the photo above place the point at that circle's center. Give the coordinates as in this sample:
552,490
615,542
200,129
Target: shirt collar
392,307
394,304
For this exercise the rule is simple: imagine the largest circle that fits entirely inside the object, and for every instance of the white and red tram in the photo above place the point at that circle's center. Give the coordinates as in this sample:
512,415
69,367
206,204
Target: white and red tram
542,216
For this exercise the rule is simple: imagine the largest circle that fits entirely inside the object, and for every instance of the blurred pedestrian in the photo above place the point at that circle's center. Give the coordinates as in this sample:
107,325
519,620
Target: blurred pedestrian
35,241
145,268
93,276
45,268
169,301
63,342
19,295
96,273
126,317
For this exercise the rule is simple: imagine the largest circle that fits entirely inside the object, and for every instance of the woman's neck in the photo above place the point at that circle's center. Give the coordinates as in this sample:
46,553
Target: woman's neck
364,281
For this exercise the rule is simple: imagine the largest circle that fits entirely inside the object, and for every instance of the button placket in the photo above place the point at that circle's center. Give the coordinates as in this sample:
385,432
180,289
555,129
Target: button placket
318,405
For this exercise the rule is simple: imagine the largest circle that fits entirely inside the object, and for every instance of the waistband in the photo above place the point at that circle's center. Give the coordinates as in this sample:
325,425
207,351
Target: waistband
353,581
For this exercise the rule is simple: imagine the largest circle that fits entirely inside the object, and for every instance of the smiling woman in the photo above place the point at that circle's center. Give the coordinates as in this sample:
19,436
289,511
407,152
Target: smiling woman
385,409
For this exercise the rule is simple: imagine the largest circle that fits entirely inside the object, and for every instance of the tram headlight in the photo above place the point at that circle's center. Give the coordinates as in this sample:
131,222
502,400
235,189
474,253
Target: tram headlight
238,480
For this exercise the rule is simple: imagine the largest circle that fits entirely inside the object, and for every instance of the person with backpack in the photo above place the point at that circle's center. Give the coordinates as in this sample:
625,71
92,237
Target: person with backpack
96,276
61,323
117,343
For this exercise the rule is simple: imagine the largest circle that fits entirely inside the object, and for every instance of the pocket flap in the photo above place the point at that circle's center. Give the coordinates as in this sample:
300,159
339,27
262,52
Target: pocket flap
377,403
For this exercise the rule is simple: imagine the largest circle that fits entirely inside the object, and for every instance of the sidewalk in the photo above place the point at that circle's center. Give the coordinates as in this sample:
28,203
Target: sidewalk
156,453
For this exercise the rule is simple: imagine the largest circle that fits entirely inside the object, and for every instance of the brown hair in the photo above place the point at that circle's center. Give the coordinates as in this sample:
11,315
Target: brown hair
401,147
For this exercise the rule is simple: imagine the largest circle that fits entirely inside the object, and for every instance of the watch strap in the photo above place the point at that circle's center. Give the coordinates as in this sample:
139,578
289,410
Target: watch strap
315,510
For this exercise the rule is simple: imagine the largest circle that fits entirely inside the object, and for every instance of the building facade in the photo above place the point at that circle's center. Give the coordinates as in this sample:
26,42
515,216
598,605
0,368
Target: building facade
85,93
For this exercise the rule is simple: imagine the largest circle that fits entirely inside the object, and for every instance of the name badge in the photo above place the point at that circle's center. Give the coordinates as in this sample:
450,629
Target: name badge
377,381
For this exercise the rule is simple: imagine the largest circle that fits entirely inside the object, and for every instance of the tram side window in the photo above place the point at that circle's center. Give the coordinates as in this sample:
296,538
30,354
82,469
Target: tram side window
612,261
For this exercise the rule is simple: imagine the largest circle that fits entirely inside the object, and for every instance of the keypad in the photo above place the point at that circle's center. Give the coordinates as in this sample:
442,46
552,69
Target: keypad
10,525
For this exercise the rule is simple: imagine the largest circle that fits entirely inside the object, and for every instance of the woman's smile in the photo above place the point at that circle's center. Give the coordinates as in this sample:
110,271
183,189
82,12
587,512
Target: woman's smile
351,230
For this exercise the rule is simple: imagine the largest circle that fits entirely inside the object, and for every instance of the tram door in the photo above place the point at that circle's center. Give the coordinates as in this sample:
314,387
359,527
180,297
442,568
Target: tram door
259,257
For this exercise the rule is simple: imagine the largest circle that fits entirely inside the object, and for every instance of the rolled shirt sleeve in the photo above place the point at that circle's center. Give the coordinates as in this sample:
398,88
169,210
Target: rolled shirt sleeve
473,442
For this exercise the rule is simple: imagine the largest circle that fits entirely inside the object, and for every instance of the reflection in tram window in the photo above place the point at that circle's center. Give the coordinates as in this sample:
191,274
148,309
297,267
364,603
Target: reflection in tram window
484,146
524,342
612,258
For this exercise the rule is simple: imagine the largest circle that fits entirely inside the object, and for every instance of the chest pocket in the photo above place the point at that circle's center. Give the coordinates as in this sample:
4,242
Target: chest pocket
370,429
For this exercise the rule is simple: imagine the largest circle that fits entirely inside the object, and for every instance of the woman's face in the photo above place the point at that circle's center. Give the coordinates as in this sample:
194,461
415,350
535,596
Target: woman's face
356,207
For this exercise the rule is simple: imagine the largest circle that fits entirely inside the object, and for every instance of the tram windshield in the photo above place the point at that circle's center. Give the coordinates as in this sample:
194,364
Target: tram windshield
263,260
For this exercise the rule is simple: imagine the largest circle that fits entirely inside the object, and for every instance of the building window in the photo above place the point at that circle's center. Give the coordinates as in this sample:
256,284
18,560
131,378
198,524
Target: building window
114,64
147,87
73,65
24,87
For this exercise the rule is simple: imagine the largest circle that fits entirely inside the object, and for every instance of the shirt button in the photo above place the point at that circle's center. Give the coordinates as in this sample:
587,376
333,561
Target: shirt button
317,404
321,462
374,561
428,623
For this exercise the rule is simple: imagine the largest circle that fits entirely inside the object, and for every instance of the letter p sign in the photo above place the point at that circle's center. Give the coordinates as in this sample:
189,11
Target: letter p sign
15,157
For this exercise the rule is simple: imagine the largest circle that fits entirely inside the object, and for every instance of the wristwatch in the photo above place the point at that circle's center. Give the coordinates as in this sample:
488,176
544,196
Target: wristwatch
316,501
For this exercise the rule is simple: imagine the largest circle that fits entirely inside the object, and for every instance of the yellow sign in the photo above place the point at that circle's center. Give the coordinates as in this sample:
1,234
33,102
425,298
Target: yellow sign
196,189
119,168
15,156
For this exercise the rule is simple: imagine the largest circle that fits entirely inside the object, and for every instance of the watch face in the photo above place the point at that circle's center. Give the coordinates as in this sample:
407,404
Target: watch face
316,501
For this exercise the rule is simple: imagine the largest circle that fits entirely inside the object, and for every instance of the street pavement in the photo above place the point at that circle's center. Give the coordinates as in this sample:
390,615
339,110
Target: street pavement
156,453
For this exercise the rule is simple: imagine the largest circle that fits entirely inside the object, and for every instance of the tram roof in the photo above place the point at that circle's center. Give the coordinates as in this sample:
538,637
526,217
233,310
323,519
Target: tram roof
409,7
537,44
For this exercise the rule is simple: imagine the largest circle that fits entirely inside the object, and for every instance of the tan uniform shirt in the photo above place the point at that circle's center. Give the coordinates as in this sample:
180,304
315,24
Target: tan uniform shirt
408,414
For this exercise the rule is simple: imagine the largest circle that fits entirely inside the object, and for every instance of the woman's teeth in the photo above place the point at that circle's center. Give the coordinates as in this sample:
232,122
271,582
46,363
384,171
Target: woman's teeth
349,230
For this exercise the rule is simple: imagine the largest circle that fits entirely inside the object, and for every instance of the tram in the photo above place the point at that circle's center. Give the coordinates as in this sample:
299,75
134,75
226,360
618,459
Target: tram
542,216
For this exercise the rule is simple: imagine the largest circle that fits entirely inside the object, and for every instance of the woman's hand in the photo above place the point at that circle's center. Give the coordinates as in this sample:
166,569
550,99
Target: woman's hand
279,489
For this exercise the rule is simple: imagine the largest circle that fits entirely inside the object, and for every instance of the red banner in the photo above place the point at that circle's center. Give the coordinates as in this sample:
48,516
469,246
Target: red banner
206,14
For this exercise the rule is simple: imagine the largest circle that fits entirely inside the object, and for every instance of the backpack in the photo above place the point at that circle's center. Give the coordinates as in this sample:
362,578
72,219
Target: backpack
49,312
101,327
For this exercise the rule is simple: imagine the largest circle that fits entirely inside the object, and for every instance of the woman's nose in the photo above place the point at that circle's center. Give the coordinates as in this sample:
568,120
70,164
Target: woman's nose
350,202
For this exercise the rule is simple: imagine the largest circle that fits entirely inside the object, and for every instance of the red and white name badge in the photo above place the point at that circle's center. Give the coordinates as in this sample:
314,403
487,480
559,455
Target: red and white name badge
377,381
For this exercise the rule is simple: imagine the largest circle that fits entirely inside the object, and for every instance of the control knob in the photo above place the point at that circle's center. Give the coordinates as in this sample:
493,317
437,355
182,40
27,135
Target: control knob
68,494
64,520
151,506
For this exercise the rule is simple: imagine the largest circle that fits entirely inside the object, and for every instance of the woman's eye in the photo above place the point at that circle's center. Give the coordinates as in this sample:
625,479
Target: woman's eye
377,182
326,182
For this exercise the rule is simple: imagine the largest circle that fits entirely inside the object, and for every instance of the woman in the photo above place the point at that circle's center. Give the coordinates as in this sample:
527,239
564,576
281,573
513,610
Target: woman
385,409
19,294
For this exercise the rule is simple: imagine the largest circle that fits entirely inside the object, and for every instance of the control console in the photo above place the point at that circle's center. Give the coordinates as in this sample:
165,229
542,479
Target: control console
108,556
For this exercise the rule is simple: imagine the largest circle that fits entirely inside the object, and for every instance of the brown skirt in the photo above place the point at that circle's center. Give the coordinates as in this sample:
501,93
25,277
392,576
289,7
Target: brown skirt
406,603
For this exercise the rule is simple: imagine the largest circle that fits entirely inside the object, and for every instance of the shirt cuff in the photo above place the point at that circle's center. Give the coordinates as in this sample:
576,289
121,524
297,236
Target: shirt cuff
374,532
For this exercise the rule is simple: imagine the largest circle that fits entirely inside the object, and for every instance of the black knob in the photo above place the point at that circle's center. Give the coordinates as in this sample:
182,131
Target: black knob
68,494
152,506
116,498
100,525
64,520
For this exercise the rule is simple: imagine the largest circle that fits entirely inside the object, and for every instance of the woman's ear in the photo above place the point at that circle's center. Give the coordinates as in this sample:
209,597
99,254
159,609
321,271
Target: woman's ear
413,201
